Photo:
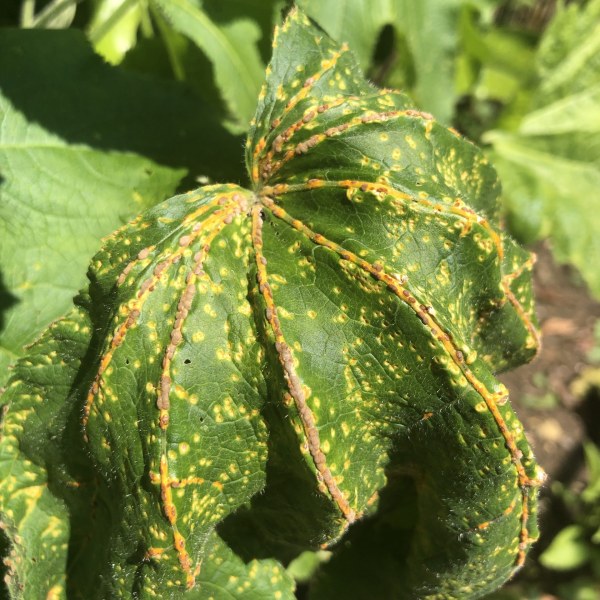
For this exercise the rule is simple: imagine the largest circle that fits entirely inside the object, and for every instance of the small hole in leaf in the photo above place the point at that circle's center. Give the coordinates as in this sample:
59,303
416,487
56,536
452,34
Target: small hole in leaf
126,361
187,361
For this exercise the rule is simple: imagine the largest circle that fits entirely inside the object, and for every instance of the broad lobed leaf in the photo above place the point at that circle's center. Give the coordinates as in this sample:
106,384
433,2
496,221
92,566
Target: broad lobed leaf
328,339
61,517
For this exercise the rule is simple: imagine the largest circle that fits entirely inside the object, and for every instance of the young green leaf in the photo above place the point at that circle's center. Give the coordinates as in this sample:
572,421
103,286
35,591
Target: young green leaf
318,338
568,550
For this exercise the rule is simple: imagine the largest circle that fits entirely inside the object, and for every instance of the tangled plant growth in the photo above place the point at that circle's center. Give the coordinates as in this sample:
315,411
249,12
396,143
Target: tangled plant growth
257,372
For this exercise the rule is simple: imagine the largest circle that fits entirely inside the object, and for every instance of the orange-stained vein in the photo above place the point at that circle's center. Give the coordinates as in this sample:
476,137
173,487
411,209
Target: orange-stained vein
147,288
378,188
505,513
459,209
190,217
212,226
326,65
535,337
119,231
371,116
526,264
294,383
278,142
491,400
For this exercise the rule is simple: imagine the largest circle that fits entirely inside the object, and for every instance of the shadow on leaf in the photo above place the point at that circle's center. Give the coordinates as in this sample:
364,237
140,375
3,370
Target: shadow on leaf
7,300
72,93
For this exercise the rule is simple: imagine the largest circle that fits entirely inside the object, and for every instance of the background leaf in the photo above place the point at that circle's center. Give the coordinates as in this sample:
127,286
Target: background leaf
567,551
83,147
114,26
429,29
551,165
231,46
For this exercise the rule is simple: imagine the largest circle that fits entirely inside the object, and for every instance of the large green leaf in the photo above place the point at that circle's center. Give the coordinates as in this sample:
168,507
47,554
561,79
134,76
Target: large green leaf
327,338
551,166
430,28
83,147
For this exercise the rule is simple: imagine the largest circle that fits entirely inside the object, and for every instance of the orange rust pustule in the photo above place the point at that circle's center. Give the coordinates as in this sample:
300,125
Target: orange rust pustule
269,168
